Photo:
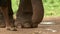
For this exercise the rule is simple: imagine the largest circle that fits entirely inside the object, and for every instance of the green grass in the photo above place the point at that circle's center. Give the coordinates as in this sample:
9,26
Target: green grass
15,4
51,7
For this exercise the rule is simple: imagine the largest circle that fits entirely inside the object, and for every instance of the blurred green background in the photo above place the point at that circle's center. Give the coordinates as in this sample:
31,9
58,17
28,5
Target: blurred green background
51,7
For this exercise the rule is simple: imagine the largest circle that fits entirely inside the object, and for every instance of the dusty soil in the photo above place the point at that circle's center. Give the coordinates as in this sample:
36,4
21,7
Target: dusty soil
42,29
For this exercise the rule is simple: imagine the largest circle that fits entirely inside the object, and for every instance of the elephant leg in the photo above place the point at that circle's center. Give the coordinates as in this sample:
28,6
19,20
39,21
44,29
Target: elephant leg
10,13
2,23
24,14
38,12
7,19
5,14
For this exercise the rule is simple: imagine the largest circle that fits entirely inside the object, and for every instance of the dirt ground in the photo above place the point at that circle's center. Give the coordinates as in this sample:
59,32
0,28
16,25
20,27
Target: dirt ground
42,29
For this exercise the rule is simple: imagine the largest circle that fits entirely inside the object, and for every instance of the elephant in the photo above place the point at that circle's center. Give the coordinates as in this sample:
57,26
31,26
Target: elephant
30,13
7,14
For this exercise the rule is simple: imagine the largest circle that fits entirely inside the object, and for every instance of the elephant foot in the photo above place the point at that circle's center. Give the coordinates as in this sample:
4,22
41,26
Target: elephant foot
2,26
34,25
26,25
11,28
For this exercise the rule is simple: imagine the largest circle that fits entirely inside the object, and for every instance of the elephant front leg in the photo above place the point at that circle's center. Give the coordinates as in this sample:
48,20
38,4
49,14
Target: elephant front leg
7,20
38,12
2,23
24,14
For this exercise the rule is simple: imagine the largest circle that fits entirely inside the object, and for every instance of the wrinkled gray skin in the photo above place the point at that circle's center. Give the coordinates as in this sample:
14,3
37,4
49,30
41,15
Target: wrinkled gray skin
2,21
30,13
7,14
2,24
